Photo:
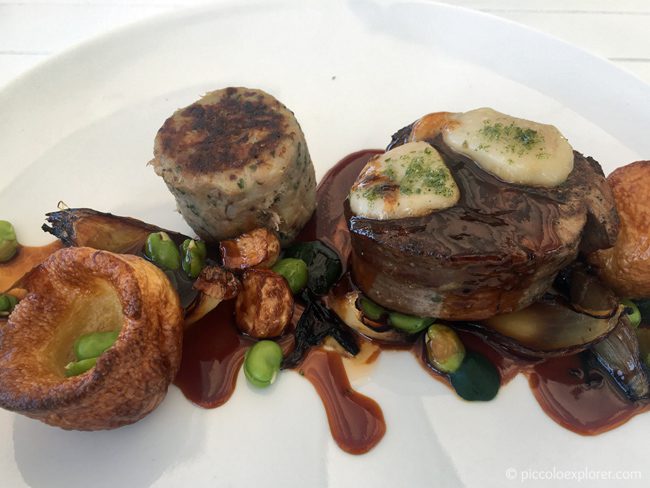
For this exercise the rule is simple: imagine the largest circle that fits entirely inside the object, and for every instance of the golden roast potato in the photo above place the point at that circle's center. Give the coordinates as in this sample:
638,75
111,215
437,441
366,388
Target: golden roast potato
258,248
264,305
74,292
626,266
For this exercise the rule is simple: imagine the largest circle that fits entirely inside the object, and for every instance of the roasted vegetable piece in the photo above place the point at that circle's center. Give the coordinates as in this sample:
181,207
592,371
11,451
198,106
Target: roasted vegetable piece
476,379
216,285
589,296
8,242
258,248
264,305
85,227
77,227
619,354
294,271
262,363
549,327
444,349
323,263
643,336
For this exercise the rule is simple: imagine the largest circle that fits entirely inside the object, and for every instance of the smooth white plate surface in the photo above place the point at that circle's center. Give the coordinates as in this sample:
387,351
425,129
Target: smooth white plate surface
80,129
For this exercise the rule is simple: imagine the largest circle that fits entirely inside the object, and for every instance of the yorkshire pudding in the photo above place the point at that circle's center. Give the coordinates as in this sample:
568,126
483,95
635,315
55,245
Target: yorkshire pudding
78,291
626,267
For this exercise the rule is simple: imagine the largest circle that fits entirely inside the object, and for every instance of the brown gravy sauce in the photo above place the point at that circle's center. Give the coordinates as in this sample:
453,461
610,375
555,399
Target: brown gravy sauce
356,421
214,349
213,352
584,401
25,259
576,395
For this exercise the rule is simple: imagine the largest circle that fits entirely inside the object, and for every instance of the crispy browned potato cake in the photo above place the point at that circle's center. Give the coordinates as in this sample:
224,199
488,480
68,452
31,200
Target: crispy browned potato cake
236,160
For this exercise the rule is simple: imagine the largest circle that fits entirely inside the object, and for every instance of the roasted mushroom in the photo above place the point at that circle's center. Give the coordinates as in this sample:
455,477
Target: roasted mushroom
77,291
216,285
258,248
265,304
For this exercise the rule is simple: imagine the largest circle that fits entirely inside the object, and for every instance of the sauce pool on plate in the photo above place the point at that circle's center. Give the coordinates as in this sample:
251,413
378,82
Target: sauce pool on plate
584,401
574,392
25,259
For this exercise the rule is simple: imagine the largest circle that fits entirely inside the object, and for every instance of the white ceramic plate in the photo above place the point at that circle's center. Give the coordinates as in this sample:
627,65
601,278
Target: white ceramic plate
80,129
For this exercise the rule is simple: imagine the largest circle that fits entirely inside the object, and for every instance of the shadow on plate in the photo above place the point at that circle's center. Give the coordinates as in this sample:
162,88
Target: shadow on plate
135,455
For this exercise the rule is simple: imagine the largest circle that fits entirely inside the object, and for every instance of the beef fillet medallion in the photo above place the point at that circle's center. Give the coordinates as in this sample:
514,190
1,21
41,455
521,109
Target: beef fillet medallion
477,221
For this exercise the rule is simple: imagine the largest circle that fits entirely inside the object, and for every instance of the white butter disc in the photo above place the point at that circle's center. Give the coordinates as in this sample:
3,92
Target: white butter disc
515,150
408,181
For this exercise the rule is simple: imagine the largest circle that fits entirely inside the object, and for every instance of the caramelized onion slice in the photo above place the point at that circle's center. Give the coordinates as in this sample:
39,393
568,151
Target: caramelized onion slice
549,328
85,227
215,285
619,354
588,295
79,227
643,336
345,307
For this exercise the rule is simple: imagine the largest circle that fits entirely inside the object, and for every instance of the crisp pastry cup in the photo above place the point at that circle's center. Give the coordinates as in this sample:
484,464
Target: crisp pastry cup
78,291
625,267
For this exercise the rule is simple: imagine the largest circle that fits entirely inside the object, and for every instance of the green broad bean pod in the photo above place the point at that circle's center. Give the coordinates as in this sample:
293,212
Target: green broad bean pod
444,349
76,368
409,323
632,311
8,242
7,304
293,270
193,255
163,251
262,363
92,345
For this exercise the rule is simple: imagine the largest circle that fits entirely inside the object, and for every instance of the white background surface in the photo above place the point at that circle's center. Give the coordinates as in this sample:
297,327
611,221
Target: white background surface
82,128
34,30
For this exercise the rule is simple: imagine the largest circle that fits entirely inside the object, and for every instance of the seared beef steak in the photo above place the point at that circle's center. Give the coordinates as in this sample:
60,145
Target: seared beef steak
496,251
